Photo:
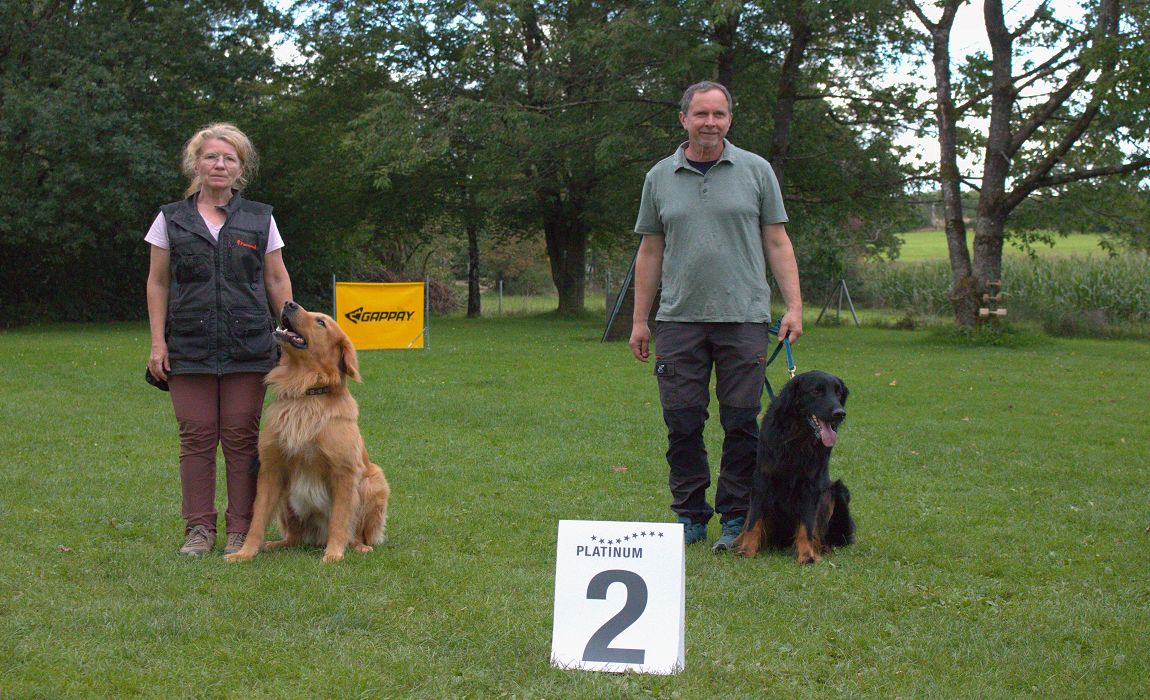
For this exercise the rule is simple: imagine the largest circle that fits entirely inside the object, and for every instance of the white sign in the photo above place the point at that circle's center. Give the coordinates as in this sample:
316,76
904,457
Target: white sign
619,597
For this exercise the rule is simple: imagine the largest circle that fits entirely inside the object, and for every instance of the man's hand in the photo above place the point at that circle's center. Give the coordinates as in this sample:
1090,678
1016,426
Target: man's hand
791,326
640,341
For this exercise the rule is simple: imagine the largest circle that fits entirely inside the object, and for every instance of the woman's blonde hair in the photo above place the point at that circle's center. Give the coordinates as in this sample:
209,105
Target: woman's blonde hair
224,132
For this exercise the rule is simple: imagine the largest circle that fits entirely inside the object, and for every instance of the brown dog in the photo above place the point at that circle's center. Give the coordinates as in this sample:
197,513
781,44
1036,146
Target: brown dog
315,474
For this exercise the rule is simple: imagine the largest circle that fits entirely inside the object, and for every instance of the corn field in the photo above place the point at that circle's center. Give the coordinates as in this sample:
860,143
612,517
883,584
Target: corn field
1077,295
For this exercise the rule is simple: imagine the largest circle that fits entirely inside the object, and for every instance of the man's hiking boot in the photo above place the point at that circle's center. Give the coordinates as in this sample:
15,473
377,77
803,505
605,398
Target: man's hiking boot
692,531
731,530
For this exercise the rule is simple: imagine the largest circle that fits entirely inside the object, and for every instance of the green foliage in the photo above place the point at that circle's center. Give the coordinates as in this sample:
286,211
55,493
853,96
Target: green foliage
921,287
1000,550
523,119
522,265
411,128
90,133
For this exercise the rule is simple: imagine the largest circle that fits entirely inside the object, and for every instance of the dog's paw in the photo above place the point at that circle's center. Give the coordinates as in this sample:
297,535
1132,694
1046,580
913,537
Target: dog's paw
330,557
745,550
363,548
237,557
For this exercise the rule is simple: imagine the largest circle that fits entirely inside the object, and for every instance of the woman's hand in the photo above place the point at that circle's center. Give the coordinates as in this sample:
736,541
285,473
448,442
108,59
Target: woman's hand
158,361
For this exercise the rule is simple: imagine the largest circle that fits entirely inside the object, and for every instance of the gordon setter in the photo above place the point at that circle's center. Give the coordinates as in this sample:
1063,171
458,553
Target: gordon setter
793,500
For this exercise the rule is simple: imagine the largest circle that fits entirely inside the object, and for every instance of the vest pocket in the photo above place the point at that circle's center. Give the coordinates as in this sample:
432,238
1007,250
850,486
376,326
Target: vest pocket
251,334
245,261
192,268
189,336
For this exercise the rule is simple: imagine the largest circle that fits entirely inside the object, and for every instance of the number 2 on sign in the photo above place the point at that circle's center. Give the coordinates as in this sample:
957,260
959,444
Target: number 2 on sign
599,645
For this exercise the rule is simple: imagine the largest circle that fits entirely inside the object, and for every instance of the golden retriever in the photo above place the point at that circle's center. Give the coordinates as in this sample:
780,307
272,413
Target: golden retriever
315,474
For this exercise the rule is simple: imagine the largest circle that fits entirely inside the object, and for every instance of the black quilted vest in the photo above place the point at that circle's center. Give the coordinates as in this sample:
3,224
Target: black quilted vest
218,319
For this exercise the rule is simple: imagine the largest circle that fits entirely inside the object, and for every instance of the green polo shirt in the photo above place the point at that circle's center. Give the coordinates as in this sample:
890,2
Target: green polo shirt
713,264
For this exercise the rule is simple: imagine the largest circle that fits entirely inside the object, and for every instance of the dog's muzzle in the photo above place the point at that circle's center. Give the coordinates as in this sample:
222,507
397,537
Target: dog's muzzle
826,431
286,332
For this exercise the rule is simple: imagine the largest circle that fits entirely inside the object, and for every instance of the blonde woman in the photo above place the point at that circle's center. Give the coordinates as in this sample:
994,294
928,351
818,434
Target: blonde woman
216,280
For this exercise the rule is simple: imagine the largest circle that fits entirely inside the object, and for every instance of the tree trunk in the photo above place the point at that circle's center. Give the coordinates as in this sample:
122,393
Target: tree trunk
990,226
474,303
787,90
725,31
989,235
962,296
566,236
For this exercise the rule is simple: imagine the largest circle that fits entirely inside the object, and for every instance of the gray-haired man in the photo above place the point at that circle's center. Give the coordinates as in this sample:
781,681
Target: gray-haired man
711,220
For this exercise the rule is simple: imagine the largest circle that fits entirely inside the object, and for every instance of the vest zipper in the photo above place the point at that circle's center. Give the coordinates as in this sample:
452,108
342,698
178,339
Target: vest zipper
220,323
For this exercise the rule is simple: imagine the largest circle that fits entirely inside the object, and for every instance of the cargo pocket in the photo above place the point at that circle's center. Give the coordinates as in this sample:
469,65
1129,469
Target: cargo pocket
189,337
250,331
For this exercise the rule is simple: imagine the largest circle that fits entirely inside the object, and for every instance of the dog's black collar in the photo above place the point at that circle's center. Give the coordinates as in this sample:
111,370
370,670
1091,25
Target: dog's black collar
317,390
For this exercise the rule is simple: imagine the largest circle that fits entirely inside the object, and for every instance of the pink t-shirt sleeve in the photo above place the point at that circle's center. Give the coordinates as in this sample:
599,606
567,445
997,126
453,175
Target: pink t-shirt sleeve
158,234
275,240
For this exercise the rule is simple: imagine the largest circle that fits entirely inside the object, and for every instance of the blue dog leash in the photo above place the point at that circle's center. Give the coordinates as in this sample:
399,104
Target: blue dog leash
784,344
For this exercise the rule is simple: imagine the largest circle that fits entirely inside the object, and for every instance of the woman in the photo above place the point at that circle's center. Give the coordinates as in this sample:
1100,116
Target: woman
216,271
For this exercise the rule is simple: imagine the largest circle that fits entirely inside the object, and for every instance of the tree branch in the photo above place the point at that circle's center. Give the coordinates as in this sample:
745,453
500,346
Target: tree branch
1039,13
1088,174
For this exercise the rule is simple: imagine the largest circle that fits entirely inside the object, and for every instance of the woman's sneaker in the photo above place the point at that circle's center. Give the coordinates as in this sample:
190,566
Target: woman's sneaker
199,541
235,542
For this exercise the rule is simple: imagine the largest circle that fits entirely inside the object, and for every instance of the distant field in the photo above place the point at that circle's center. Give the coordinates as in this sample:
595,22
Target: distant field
931,245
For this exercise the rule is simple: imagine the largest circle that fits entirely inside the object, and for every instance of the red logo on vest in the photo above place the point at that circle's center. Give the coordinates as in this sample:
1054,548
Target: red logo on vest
245,245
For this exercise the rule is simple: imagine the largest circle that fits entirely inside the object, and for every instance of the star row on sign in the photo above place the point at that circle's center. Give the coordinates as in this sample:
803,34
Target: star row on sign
626,538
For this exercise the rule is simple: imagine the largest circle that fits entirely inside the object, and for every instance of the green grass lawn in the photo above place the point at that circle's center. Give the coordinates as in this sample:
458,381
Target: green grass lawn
931,245
1000,493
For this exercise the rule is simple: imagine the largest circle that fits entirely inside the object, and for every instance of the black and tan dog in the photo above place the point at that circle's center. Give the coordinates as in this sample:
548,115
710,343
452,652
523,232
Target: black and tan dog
793,500
315,475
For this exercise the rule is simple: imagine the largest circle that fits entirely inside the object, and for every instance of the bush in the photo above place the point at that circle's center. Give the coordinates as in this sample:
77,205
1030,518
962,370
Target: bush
442,296
521,263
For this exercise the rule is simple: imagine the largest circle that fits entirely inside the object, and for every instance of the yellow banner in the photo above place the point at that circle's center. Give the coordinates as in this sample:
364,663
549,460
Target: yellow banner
381,314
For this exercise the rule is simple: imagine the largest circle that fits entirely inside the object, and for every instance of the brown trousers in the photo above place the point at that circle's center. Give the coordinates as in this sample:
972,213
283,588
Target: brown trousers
212,411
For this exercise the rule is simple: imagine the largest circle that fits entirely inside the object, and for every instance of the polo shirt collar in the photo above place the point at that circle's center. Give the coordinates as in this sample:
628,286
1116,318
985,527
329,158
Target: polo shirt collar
681,154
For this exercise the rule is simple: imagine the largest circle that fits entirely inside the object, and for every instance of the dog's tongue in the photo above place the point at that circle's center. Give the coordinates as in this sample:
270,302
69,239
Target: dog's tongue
826,433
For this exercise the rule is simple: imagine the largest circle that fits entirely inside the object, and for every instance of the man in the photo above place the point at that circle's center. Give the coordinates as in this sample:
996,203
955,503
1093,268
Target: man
711,220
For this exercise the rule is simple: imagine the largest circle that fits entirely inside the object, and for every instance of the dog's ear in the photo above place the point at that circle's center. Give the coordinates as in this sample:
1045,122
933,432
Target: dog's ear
349,360
788,398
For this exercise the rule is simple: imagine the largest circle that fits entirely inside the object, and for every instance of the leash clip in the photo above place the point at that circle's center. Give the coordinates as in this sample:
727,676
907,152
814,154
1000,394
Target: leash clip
790,357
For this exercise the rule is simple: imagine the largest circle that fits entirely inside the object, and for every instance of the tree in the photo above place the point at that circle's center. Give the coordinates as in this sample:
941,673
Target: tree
91,129
571,85
504,117
825,117
412,133
1075,114
335,216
